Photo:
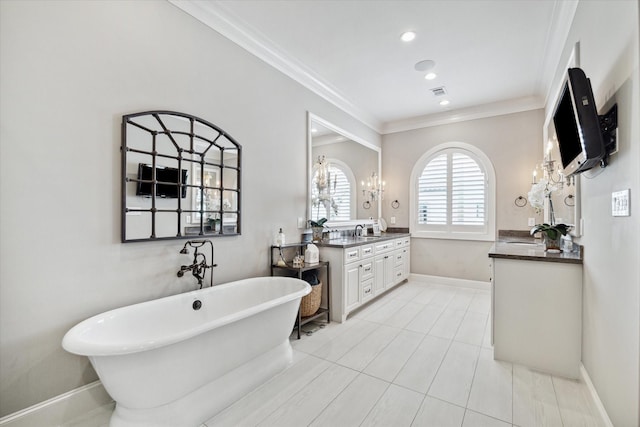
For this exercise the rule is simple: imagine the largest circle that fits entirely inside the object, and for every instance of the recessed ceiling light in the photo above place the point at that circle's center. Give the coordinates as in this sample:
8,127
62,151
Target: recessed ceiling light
444,102
314,130
424,65
430,76
407,36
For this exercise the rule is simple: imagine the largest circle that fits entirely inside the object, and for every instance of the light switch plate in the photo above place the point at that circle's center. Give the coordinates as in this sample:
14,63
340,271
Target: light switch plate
531,222
620,203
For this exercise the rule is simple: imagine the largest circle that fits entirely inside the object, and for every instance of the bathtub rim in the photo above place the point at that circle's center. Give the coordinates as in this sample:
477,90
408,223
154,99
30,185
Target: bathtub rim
73,341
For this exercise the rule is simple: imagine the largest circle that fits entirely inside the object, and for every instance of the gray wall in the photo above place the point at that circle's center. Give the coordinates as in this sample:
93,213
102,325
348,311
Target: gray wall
608,36
69,71
511,141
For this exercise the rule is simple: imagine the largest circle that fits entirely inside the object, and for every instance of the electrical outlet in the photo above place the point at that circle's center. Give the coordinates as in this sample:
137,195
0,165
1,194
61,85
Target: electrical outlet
393,220
302,223
531,222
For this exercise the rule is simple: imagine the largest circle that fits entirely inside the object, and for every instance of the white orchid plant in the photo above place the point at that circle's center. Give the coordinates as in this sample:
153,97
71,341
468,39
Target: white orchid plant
540,191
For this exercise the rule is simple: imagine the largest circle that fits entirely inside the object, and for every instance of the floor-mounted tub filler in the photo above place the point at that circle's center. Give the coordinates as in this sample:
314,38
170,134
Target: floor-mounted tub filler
179,360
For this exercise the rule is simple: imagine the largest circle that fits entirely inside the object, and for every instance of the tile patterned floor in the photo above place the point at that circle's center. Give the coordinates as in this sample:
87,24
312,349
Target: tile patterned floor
419,356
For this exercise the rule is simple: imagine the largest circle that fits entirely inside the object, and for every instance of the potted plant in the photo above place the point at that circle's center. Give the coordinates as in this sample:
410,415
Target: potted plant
214,223
318,228
551,234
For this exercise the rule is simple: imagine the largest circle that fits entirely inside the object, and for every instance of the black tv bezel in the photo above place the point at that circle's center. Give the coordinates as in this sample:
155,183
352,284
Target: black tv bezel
576,89
161,189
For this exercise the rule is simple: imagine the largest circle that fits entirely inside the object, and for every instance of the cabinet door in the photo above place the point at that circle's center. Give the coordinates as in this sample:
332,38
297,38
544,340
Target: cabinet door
352,286
407,263
389,262
378,274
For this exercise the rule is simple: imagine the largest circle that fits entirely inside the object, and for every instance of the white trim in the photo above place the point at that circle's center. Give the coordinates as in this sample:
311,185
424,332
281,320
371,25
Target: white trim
222,20
219,18
60,409
451,281
418,167
465,114
584,377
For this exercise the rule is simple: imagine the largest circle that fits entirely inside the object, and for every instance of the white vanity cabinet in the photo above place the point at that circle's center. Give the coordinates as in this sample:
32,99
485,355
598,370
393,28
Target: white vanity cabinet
537,309
360,272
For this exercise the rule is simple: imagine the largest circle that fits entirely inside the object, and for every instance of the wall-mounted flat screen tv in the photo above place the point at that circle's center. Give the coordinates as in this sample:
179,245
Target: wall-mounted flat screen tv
167,179
577,124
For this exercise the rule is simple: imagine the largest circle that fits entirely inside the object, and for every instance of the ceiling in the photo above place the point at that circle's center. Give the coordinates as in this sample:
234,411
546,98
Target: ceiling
491,56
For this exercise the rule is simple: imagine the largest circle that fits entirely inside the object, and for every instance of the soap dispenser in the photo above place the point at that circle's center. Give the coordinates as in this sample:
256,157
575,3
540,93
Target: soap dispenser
279,240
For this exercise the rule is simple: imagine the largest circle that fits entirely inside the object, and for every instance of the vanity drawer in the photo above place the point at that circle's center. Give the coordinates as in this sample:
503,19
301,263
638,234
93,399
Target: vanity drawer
403,242
351,254
399,257
398,273
384,246
367,290
366,251
367,270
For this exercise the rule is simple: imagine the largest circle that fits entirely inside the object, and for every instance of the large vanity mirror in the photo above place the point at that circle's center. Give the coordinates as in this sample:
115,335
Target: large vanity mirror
344,174
180,178
563,204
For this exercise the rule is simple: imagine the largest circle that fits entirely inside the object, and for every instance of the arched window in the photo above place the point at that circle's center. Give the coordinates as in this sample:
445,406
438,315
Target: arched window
333,192
453,194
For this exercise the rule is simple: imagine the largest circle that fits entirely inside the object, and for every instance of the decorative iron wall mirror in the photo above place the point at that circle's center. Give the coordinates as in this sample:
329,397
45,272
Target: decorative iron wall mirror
180,178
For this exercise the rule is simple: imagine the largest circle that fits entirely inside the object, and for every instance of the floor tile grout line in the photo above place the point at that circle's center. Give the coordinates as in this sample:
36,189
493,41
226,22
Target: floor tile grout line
358,373
555,395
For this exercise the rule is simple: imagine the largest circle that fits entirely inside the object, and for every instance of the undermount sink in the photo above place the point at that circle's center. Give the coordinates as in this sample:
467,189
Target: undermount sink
522,243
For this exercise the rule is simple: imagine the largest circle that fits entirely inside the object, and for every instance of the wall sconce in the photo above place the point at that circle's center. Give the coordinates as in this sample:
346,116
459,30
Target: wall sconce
372,190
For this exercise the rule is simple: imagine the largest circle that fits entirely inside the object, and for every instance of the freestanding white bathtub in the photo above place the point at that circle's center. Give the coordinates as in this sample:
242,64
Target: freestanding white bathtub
166,363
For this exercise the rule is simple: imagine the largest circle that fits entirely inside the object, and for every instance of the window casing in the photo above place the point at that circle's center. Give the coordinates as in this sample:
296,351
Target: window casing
453,194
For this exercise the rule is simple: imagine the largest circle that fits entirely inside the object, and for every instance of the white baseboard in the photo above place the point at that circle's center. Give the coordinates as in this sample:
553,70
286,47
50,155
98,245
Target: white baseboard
60,409
451,281
584,377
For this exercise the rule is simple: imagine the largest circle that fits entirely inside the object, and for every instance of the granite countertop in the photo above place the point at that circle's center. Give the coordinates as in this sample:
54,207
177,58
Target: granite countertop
533,251
347,242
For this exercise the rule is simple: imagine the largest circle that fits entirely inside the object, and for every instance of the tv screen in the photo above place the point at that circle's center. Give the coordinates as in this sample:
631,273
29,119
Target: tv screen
577,125
168,177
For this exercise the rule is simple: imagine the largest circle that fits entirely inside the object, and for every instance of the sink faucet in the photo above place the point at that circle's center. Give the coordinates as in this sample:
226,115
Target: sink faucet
357,233
199,266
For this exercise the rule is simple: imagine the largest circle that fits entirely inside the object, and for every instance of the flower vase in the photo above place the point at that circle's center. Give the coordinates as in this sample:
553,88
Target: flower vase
552,245
317,233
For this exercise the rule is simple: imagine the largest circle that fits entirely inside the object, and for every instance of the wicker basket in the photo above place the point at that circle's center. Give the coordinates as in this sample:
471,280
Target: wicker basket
311,303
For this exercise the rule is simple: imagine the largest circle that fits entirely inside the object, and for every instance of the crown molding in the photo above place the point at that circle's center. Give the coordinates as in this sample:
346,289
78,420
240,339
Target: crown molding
561,22
472,113
221,20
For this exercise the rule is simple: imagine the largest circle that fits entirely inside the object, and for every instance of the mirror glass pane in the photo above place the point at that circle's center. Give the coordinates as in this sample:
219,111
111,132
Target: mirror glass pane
340,171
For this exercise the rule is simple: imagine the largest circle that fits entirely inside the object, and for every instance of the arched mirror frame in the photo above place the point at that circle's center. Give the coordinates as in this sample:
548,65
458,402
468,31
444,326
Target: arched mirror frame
311,119
203,137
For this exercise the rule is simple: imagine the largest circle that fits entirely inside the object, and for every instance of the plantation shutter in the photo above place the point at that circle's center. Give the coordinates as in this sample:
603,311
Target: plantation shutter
341,192
432,192
452,191
467,191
